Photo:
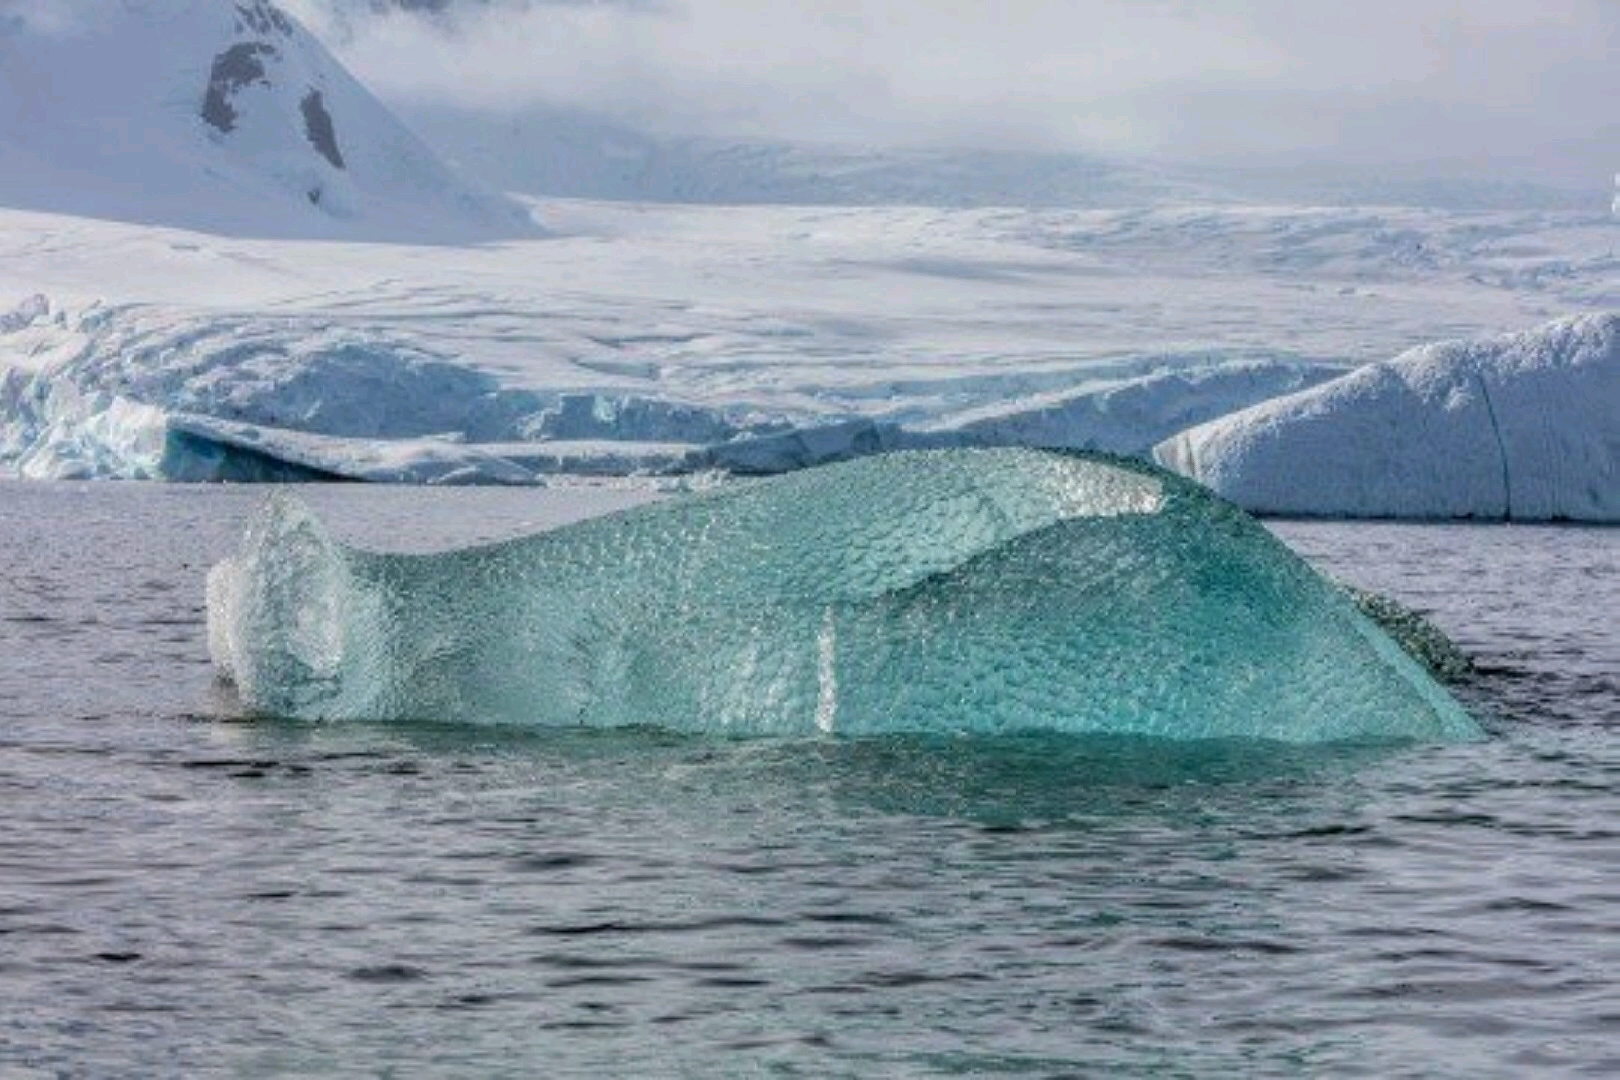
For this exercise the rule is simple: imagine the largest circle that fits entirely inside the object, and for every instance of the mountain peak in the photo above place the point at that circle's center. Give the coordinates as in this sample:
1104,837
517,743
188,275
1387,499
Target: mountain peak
226,117
243,66
263,18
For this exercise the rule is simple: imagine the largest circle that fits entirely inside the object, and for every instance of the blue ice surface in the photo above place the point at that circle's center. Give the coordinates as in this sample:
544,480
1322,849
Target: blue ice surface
948,591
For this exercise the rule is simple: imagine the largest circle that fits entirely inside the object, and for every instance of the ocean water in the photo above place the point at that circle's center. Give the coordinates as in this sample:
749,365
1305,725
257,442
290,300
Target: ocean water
186,893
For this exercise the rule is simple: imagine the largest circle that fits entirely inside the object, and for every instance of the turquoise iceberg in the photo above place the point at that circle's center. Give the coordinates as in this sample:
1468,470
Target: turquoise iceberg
992,590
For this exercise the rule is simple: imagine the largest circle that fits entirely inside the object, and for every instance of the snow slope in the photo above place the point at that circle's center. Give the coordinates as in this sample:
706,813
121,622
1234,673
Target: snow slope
572,153
222,115
667,339
1523,427
568,152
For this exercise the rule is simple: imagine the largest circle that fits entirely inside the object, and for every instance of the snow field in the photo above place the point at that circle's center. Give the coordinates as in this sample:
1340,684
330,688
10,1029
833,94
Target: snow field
658,339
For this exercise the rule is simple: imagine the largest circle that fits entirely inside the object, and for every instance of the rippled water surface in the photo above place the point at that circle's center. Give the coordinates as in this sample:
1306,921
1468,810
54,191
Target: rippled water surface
183,893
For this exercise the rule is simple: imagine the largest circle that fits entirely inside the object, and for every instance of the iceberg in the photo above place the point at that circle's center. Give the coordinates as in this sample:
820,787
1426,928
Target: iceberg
949,591
1523,427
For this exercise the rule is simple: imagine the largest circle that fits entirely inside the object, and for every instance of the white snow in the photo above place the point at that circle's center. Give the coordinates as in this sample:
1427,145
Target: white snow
570,152
223,115
1521,427
573,153
658,339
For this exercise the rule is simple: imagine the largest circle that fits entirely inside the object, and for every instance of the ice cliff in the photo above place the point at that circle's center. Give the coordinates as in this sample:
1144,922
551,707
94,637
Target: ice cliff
934,591
1523,427
1520,427
153,393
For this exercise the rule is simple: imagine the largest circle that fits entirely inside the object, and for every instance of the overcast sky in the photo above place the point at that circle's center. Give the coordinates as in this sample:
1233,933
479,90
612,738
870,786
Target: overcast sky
1523,85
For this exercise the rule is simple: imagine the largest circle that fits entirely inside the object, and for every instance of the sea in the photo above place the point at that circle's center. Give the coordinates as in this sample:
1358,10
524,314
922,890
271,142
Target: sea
189,892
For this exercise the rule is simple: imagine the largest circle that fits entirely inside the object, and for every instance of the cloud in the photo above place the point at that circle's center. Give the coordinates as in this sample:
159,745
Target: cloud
1377,82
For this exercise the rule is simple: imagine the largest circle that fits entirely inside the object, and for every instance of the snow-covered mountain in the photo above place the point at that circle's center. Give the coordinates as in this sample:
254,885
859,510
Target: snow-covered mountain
568,152
220,115
550,139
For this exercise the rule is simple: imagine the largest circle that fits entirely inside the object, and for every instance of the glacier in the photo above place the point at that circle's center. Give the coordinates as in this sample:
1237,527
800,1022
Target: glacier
984,591
671,341
155,392
1518,427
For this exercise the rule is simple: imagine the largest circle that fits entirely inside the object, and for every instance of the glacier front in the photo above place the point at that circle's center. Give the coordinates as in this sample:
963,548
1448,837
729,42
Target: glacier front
991,590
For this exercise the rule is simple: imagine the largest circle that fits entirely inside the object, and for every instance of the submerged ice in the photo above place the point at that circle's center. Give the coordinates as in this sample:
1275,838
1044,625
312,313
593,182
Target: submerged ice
944,591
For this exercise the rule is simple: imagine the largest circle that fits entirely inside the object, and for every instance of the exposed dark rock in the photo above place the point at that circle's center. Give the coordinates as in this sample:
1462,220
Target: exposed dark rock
1422,640
238,66
318,128
263,18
